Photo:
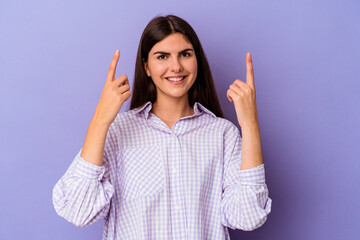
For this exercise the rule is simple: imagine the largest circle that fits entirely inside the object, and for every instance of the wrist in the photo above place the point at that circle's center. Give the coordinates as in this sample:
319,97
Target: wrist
99,124
250,126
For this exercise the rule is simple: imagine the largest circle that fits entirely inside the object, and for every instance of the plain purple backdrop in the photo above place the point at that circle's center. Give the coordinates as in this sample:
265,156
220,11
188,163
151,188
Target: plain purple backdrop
54,58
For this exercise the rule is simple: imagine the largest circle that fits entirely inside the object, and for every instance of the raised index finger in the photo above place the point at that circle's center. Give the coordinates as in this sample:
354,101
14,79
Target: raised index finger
112,68
249,71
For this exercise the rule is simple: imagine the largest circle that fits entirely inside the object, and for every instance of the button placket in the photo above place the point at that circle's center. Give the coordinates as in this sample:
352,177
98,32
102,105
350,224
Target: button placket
174,169
178,206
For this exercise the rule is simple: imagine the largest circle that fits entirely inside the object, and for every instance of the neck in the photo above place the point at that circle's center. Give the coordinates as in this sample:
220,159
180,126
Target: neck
172,109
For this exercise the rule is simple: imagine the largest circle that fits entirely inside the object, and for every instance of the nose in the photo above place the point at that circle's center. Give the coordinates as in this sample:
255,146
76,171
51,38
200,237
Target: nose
175,65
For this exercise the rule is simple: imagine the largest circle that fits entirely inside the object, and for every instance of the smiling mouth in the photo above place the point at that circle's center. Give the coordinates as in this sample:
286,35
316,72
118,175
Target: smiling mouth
176,79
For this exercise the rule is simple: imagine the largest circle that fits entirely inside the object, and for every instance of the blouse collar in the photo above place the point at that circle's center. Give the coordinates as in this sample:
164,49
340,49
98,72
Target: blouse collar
198,109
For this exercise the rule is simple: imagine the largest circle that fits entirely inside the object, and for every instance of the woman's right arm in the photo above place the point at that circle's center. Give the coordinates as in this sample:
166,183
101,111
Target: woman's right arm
114,94
82,196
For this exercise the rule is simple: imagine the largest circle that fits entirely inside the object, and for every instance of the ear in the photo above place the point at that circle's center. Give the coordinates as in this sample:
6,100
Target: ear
146,68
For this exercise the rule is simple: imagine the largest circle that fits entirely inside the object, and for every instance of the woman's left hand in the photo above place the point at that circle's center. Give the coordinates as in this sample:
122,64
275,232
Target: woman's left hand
244,98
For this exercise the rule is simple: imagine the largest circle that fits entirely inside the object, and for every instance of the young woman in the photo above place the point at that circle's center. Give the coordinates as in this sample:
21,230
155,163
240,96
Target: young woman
171,167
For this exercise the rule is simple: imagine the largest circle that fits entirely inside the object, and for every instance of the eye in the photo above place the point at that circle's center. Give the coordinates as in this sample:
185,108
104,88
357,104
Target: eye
186,54
161,57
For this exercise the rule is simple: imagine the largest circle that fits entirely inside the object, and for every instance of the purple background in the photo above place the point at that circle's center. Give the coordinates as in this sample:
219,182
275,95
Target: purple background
54,59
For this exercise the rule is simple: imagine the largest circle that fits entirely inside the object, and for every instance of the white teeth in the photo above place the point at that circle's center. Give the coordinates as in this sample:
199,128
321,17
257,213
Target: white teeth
175,79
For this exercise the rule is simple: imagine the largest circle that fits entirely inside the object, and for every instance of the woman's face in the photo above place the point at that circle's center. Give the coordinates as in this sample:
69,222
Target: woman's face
172,65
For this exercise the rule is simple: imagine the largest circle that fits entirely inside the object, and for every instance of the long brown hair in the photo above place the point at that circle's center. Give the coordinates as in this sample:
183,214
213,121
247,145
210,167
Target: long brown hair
144,90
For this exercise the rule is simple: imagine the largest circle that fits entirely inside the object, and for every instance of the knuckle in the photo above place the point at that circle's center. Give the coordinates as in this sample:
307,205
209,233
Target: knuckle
112,86
125,88
108,87
120,96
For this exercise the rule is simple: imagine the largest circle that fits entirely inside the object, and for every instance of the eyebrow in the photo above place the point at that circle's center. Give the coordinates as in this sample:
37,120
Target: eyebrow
165,53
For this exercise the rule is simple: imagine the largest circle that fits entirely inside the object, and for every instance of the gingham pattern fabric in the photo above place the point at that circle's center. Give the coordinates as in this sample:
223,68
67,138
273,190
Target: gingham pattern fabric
162,183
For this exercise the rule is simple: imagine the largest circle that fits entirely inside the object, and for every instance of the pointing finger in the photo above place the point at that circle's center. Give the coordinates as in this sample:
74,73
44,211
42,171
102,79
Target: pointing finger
112,68
249,71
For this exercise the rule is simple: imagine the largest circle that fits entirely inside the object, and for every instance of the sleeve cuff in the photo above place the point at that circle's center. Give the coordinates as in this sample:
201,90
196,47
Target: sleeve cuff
253,176
86,169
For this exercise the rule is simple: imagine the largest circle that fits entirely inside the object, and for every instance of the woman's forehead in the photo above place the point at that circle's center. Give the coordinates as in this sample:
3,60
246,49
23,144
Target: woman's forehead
175,42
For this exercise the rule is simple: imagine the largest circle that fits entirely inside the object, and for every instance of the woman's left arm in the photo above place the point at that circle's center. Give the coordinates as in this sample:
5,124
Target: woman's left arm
245,202
244,98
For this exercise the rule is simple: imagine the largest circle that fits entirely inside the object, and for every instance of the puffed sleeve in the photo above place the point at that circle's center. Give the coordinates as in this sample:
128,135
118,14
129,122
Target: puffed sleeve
245,203
82,195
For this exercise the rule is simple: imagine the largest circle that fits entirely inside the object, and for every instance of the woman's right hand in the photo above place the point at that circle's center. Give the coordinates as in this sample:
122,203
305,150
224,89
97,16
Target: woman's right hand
114,94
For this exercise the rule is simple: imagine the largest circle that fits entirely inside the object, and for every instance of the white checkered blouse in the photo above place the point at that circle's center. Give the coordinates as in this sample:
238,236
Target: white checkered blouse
162,183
